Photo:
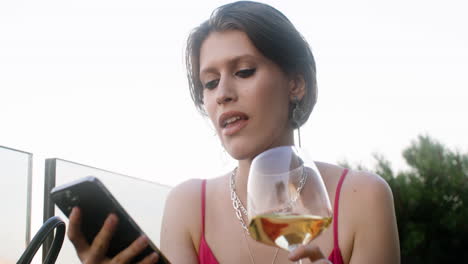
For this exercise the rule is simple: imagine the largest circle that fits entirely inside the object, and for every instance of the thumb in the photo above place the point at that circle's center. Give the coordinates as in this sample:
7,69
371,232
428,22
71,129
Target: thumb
312,252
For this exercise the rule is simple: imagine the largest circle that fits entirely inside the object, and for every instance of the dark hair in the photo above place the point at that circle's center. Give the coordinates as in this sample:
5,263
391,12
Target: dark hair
271,33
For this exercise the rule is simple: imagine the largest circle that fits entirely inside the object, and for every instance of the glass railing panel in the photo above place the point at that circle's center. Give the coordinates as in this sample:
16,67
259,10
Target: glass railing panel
143,200
15,193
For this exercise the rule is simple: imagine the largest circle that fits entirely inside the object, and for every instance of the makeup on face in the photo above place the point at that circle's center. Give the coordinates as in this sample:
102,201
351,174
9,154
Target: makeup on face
245,96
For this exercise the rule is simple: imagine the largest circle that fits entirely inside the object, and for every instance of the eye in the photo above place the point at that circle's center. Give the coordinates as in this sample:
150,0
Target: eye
245,73
211,84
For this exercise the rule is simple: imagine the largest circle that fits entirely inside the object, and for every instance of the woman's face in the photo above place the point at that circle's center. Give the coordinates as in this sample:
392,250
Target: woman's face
245,95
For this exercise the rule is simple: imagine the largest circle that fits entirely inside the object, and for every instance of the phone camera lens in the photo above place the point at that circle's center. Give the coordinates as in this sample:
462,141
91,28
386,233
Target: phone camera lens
74,200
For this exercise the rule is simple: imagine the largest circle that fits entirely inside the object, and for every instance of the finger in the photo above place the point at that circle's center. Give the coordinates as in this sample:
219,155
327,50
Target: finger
74,231
102,240
323,261
151,258
134,249
311,252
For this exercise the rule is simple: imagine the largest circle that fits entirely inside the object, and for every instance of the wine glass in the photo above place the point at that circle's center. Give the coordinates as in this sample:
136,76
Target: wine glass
287,202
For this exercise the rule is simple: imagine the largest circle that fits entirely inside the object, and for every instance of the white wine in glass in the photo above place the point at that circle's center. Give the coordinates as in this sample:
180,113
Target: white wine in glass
287,202
287,230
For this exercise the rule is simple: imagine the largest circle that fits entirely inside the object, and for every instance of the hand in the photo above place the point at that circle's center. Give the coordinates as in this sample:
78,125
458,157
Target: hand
311,252
96,252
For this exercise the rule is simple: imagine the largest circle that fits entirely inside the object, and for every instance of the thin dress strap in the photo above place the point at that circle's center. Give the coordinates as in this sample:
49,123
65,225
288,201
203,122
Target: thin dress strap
203,190
335,208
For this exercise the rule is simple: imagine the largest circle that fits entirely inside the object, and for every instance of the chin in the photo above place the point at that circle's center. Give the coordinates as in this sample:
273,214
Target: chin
242,151
244,148
240,154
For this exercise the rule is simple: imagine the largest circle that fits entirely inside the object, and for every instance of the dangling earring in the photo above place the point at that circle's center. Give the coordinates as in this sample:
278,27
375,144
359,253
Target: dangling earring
296,117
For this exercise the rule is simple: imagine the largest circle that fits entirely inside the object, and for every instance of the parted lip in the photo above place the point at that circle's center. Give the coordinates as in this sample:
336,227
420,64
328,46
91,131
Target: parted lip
225,116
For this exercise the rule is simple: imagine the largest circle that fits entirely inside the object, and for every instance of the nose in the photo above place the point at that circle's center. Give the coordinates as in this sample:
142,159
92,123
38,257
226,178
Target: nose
226,92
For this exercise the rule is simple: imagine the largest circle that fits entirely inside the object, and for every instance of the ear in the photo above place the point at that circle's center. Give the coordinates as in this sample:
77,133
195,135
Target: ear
297,87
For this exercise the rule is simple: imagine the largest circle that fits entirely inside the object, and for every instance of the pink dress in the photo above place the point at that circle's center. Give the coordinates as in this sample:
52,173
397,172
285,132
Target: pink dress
206,256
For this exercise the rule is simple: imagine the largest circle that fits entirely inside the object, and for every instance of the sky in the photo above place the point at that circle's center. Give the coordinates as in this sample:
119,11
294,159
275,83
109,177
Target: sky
103,82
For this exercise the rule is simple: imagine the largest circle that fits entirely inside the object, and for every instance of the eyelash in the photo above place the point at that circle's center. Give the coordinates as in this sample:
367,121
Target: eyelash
244,73
211,84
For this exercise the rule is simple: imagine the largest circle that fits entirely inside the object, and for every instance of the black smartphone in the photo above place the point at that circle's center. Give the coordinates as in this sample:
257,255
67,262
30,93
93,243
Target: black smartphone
96,203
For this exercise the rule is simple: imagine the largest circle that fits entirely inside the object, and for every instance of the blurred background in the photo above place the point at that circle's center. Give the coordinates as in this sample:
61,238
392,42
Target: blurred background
103,83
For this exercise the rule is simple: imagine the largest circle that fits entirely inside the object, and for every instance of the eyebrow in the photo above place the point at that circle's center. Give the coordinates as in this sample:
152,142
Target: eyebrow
230,61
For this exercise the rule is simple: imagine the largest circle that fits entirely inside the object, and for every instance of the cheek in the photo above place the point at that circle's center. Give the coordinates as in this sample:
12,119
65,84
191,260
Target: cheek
209,104
273,95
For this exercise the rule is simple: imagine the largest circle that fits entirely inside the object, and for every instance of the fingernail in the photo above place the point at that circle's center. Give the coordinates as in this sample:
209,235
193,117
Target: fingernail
154,256
143,240
112,219
293,254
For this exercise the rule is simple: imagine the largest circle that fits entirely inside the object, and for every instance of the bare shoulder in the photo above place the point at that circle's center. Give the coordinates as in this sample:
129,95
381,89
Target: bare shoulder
361,182
366,195
184,200
369,208
368,187
181,221
185,191
368,228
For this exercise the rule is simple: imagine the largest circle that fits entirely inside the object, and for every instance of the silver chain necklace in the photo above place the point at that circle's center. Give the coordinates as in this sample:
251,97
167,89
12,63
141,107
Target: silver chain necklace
240,209
237,204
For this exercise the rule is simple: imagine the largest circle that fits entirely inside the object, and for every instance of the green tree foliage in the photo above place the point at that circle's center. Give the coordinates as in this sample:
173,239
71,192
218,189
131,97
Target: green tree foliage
431,202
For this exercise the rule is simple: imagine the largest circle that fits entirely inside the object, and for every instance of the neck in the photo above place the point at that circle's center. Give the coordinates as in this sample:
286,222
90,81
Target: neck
242,176
243,167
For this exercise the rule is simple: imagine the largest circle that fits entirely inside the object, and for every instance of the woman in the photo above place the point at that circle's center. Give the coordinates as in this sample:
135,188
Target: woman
248,70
